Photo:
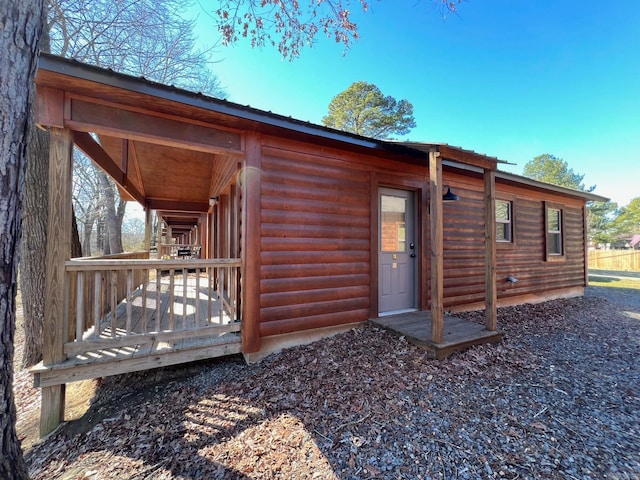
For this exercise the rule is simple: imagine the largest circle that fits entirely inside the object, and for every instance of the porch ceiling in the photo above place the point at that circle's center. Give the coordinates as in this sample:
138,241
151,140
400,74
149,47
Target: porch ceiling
165,175
165,155
175,181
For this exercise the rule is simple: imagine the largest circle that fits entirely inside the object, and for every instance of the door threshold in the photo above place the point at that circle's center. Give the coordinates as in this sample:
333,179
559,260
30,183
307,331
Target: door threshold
397,312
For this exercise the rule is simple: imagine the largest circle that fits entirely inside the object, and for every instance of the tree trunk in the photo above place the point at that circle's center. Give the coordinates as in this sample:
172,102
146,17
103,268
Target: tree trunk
21,25
114,226
76,246
121,210
33,244
88,228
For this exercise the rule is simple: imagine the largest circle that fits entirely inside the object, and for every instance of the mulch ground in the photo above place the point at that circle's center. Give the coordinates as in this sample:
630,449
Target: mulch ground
560,398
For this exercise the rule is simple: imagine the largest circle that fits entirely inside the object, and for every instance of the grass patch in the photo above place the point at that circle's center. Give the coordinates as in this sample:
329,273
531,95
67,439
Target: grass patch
614,282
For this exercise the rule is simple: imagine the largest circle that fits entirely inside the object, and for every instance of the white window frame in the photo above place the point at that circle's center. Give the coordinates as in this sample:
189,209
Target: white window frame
556,232
508,222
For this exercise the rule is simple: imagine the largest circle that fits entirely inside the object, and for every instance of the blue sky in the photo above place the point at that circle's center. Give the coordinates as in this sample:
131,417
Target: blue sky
509,78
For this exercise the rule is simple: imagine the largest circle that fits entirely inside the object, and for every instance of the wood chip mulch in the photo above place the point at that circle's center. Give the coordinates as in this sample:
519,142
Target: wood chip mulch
560,398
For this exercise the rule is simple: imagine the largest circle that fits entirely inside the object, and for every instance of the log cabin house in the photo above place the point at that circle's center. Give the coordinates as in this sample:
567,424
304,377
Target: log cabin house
300,232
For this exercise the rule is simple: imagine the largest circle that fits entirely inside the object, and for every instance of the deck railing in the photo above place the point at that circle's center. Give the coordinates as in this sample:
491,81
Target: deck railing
125,302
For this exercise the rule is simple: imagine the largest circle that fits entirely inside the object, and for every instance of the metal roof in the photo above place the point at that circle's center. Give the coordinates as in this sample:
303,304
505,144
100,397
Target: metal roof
430,146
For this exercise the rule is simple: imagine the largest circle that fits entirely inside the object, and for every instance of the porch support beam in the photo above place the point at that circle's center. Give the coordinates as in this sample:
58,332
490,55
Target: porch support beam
250,183
437,245
58,251
466,158
491,300
176,206
94,150
115,120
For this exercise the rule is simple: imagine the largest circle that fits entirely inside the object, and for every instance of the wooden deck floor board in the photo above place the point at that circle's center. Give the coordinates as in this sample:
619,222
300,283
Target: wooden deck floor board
458,334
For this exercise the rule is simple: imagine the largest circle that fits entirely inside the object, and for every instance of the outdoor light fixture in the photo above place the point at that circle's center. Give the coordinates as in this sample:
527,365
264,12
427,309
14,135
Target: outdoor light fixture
449,196
214,200
512,279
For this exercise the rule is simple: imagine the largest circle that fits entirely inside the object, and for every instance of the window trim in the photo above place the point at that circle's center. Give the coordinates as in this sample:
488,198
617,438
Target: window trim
549,256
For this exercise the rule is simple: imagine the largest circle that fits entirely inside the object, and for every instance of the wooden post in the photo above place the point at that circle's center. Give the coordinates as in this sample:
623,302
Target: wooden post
491,295
250,184
437,246
147,228
160,227
585,244
204,227
58,251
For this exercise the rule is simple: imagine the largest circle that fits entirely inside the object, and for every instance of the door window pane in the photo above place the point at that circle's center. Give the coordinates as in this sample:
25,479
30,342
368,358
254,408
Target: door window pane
393,223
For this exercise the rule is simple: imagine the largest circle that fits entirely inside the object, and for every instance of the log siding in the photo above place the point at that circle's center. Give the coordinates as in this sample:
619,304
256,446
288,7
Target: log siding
524,258
317,254
315,249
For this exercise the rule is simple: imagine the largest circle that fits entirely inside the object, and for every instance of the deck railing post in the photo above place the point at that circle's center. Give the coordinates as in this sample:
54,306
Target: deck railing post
97,302
171,298
209,294
129,299
58,251
145,287
113,291
221,295
185,281
196,318
158,312
79,305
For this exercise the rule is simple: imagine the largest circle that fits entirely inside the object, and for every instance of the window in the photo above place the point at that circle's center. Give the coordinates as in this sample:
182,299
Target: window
504,230
393,224
554,231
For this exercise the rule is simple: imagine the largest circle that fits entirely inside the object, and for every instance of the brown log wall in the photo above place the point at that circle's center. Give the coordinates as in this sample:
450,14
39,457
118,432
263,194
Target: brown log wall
523,259
315,253
315,239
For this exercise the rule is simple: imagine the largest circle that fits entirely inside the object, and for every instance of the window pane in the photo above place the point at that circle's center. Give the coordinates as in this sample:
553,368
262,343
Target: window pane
553,220
555,243
503,212
402,238
393,223
501,232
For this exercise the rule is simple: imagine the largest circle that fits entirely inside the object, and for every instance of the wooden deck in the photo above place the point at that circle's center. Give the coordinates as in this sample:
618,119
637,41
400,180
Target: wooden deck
186,325
458,334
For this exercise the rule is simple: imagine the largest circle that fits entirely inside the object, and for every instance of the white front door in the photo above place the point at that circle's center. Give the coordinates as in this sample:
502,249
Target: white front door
398,252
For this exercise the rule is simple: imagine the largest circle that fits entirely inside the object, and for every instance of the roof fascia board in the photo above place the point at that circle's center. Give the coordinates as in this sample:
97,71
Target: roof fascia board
111,78
512,177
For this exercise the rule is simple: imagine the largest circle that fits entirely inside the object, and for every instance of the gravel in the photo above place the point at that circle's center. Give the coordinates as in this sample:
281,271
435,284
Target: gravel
560,398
